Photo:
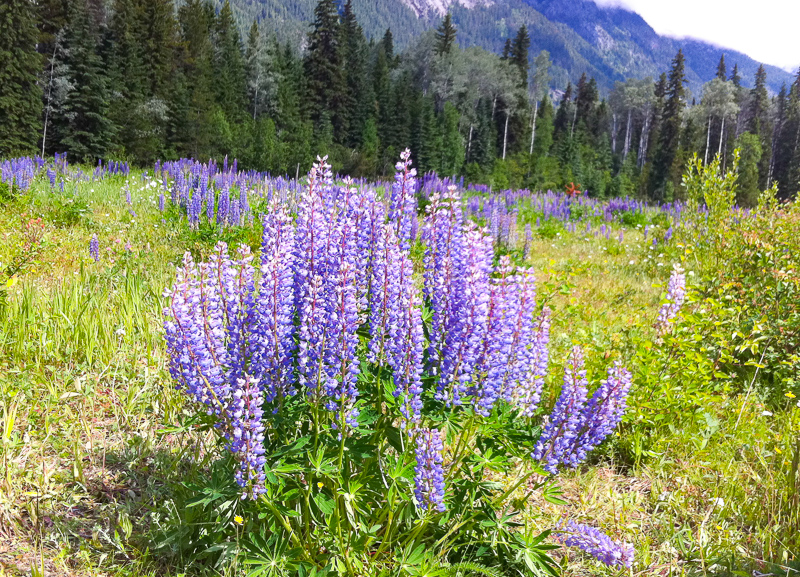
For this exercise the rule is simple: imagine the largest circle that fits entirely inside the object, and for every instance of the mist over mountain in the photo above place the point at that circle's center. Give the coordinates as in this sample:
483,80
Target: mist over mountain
608,43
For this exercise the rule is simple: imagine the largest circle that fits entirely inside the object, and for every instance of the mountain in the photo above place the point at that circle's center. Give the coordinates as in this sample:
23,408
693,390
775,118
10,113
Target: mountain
608,43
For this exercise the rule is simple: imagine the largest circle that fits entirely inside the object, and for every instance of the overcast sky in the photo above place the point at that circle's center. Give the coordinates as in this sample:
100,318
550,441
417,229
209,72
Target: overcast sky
766,30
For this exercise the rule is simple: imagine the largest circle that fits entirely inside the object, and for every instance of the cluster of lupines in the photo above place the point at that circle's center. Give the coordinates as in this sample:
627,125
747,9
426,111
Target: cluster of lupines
576,426
335,267
20,172
597,544
676,294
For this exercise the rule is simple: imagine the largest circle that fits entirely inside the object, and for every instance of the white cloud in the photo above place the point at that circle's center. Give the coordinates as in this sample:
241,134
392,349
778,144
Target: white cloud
764,30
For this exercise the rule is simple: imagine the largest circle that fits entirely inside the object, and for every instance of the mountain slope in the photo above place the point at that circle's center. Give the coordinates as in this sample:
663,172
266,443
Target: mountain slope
609,44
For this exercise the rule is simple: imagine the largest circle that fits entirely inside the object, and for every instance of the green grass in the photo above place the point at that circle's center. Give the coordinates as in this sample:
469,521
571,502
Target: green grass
96,457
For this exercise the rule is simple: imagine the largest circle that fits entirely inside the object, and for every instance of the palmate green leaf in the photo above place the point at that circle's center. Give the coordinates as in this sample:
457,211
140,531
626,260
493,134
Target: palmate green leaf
552,494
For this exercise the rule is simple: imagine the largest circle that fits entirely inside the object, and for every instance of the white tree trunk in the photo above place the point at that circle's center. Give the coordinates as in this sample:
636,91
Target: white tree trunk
721,134
627,136
708,140
505,136
533,126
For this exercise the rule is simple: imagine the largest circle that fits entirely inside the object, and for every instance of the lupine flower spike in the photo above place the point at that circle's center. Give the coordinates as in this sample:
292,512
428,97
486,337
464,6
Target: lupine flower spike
597,544
429,472
676,294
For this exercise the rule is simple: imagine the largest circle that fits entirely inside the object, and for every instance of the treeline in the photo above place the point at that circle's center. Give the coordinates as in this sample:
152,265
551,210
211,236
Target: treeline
143,80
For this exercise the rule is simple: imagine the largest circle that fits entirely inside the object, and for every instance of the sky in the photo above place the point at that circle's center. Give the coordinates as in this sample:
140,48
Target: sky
766,30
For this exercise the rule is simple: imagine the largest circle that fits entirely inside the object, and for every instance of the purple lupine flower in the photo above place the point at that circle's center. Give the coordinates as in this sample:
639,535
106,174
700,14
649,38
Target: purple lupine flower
209,200
223,206
646,231
444,264
676,294
403,205
528,242
469,321
247,438
406,344
94,248
602,413
194,209
274,331
343,321
313,221
161,202
528,392
563,425
501,341
668,234
597,544
51,175
429,470
234,218
194,333
384,294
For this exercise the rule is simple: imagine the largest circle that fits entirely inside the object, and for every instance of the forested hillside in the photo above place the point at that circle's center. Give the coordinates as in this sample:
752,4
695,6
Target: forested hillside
606,43
141,80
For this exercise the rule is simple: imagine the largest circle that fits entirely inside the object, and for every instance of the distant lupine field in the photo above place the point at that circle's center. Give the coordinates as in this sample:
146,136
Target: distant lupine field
398,377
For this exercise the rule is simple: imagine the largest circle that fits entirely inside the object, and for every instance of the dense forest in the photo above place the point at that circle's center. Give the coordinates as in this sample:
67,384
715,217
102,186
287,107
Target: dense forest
145,79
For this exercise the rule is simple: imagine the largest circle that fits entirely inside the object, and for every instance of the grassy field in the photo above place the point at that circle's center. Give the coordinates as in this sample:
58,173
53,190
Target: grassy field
98,465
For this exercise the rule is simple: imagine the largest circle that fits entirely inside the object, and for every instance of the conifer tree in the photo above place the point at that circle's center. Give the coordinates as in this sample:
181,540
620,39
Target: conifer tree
194,102
735,77
323,66
354,62
20,93
759,122
445,35
230,80
519,55
84,128
670,128
722,70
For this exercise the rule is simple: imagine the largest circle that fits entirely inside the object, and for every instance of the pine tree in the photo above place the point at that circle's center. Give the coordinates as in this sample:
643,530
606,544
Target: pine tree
735,77
670,128
84,127
519,55
722,70
323,65
445,35
230,79
354,61
20,93
759,123
194,102
506,50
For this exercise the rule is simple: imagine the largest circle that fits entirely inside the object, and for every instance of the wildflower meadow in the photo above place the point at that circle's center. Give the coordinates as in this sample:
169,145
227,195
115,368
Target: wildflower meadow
213,371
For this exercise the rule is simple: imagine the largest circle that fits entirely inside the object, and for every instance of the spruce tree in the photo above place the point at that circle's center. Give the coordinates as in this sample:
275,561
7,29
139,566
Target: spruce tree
519,55
194,104
230,79
759,123
670,129
20,93
722,70
84,127
445,35
354,62
323,66
735,77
